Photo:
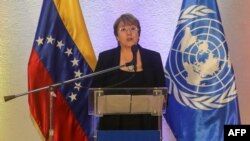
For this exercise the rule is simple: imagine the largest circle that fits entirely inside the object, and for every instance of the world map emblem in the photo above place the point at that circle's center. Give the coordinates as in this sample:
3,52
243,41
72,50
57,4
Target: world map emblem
199,68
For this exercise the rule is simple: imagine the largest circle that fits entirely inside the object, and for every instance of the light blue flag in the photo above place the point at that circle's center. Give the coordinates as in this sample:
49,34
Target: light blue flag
200,77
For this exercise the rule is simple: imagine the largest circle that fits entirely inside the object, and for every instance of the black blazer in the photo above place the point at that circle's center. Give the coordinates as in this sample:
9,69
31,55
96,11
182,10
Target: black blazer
151,64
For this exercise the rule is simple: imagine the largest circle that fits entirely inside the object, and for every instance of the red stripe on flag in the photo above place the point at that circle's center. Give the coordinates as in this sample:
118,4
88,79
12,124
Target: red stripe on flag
64,121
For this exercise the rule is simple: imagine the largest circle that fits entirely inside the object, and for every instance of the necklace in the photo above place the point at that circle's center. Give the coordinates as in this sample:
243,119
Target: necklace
124,60
130,68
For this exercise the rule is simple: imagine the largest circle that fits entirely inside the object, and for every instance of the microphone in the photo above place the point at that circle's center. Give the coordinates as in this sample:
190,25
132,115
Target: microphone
134,50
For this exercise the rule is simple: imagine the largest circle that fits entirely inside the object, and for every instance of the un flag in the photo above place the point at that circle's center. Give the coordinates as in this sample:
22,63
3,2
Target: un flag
200,77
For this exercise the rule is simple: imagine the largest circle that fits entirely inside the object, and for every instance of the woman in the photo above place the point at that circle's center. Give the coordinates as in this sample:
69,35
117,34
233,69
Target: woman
149,73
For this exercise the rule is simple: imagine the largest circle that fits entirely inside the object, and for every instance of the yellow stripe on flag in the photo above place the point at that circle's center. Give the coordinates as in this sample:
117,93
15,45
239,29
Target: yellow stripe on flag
75,25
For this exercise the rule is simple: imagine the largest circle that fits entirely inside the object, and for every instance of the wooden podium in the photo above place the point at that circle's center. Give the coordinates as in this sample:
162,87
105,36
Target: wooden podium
118,101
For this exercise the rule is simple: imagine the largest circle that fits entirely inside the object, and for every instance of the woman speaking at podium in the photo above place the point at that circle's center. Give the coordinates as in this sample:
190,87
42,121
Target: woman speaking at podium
147,73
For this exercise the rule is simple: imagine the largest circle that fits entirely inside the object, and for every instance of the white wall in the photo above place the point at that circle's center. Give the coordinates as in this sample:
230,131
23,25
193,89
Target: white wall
236,21
158,18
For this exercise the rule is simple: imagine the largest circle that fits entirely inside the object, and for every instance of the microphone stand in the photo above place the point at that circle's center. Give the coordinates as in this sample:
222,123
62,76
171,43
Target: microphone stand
51,87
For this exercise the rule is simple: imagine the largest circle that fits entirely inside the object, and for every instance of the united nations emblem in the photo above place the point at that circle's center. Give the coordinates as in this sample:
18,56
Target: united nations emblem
198,67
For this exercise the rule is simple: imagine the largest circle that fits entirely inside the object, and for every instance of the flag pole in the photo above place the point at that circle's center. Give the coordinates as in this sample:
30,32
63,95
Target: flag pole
51,128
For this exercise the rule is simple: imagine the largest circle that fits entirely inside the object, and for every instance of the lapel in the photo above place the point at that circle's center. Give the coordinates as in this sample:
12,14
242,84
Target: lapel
144,58
146,64
116,57
114,61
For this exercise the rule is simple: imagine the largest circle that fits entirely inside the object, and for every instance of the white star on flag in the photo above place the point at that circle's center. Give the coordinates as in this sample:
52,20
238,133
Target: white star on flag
68,52
50,40
59,44
75,62
78,86
78,74
39,41
72,97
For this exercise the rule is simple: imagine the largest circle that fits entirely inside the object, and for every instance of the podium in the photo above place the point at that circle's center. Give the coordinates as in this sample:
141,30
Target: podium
127,101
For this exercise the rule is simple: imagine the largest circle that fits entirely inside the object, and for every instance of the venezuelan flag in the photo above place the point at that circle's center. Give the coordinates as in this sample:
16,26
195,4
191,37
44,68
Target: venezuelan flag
61,51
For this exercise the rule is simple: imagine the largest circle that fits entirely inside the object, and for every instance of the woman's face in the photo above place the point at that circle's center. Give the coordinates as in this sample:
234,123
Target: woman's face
128,35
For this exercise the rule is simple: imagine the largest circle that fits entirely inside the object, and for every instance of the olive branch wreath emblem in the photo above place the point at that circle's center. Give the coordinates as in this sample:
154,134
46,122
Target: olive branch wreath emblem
203,102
